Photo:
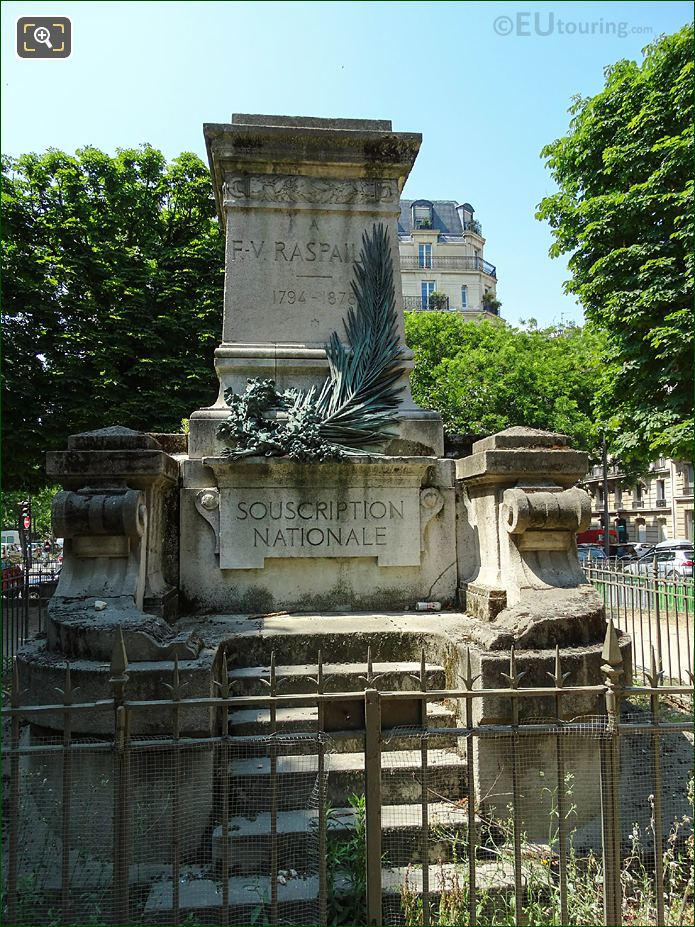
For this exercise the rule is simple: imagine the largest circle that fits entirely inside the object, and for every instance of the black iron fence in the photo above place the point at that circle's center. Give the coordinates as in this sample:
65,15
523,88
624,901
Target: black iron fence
540,805
25,596
655,610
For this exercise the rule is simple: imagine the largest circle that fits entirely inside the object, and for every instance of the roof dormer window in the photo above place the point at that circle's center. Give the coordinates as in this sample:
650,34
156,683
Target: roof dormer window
422,215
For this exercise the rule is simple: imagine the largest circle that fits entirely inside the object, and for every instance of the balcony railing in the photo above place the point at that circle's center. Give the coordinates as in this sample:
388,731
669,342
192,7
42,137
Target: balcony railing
596,472
415,304
661,503
473,226
447,262
428,226
638,504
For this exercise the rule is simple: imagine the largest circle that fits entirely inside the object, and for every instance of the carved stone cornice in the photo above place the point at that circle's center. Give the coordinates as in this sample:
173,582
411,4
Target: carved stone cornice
294,188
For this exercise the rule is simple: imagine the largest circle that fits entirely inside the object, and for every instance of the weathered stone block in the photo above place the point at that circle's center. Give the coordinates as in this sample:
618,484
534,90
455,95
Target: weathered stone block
264,534
295,198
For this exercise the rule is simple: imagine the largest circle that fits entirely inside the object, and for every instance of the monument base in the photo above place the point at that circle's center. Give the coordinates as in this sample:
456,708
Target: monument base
533,758
270,534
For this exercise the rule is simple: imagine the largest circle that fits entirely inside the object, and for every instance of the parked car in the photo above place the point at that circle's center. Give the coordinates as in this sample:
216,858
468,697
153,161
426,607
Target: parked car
590,552
671,563
11,579
42,585
595,536
642,549
42,582
677,544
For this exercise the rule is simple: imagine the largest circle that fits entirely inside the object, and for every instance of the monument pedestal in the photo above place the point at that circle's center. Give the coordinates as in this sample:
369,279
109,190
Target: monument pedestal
268,534
518,512
295,196
119,582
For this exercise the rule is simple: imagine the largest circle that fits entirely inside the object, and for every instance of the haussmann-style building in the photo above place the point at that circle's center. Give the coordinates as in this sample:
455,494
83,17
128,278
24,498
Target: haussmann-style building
442,264
658,507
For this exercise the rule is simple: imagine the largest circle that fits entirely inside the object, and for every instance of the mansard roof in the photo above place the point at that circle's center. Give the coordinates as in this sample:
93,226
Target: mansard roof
445,218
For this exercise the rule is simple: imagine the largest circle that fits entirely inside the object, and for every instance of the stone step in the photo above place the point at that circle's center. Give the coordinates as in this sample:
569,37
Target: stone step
249,896
493,878
338,677
249,837
200,899
400,779
249,724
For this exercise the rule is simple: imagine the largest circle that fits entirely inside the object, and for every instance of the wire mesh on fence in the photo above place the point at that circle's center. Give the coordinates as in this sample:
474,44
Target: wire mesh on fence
64,867
584,821
266,797
524,841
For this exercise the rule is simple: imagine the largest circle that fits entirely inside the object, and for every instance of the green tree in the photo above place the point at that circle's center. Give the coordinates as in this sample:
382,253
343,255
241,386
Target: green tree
112,275
41,504
486,376
623,212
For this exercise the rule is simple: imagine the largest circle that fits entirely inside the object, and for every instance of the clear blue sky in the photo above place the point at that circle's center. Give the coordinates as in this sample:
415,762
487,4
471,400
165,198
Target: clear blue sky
485,103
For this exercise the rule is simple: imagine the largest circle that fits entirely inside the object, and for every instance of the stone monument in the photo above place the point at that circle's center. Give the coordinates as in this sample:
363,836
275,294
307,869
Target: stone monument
185,551
296,197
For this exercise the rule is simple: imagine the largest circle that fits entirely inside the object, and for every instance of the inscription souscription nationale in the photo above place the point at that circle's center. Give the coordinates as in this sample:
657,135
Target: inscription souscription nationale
338,535
358,523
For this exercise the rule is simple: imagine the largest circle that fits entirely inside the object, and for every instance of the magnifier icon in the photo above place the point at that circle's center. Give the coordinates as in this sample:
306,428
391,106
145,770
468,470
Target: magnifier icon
43,36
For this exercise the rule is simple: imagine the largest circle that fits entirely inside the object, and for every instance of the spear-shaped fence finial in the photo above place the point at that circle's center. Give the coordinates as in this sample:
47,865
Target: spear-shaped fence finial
655,672
558,676
513,677
612,667
223,683
67,691
175,687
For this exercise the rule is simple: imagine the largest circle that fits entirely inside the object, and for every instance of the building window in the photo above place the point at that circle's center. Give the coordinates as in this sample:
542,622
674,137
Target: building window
464,297
661,527
637,494
618,496
426,290
424,256
641,526
422,217
660,491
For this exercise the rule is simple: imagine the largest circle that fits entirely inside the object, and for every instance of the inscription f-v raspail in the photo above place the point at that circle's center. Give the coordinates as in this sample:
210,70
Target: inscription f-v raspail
289,251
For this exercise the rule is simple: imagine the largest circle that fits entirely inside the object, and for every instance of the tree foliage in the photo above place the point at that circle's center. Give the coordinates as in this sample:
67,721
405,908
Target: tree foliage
112,274
486,376
623,212
41,505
